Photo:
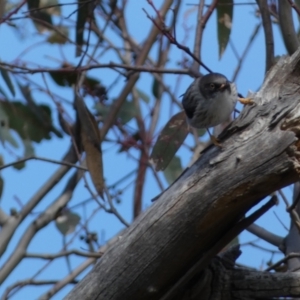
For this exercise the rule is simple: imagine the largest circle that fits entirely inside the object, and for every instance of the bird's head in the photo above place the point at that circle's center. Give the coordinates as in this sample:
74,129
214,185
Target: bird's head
214,84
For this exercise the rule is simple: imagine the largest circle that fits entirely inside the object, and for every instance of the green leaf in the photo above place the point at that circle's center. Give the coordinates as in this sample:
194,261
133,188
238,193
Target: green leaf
60,36
126,113
28,148
201,132
54,9
1,186
91,141
19,166
224,23
28,152
37,111
1,179
170,139
6,136
67,222
6,78
5,133
3,93
173,170
155,88
25,122
41,18
66,79
143,96
82,15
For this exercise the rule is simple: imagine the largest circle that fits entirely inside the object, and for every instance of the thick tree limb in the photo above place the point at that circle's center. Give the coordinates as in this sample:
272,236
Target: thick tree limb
223,282
260,155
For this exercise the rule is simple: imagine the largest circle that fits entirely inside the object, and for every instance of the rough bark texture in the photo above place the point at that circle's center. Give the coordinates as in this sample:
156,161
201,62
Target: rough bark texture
220,281
259,155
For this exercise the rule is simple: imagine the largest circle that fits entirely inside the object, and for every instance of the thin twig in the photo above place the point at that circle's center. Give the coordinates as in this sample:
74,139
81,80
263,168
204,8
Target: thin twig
283,260
295,7
14,11
22,283
63,253
113,209
53,161
163,29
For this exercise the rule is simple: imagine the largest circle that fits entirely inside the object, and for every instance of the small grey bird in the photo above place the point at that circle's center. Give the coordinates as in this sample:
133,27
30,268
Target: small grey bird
209,101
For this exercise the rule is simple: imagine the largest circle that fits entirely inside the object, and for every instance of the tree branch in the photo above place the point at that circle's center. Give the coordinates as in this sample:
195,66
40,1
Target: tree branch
289,34
12,224
259,155
44,219
269,40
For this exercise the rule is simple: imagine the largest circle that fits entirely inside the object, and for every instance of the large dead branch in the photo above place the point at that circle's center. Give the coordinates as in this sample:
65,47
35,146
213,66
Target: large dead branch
185,225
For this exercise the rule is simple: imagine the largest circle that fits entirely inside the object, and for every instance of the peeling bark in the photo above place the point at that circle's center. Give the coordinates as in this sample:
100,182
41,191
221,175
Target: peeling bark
260,155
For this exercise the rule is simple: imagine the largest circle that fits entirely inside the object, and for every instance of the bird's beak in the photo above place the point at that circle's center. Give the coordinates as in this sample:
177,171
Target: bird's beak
224,86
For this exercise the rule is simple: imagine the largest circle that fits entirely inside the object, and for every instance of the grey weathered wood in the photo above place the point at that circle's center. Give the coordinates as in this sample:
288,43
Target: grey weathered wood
223,282
260,155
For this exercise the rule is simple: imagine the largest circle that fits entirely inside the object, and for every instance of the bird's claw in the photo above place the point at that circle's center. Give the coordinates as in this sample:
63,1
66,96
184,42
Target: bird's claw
246,101
215,141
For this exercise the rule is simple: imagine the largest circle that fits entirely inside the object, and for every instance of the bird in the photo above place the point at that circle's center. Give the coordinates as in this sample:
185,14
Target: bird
209,101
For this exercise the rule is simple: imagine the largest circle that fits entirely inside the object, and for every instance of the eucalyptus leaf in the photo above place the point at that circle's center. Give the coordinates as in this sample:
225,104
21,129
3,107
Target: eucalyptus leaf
169,141
59,36
143,96
7,80
1,186
67,222
26,123
224,23
155,88
91,142
52,7
126,113
41,18
173,170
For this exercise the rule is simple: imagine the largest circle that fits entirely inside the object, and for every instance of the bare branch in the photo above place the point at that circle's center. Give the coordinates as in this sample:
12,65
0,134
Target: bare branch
295,7
25,282
133,79
163,29
9,228
289,34
77,271
3,217
63,253
53,161
44,219
265,235
26,70
283,260
269,40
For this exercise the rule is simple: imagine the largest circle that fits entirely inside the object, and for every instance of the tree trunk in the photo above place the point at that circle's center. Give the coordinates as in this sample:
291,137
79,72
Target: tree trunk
189,223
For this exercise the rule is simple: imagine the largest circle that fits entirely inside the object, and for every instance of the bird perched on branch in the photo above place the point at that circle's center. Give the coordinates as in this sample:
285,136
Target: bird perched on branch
209,101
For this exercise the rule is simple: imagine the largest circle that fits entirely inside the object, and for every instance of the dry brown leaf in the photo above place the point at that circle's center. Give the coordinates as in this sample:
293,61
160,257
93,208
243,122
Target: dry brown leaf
91,142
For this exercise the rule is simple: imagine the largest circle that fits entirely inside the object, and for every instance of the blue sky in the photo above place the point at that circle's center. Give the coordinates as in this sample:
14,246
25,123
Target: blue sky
26,182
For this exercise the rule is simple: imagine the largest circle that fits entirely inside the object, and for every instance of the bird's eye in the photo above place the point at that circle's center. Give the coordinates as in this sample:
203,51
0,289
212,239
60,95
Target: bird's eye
211,86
